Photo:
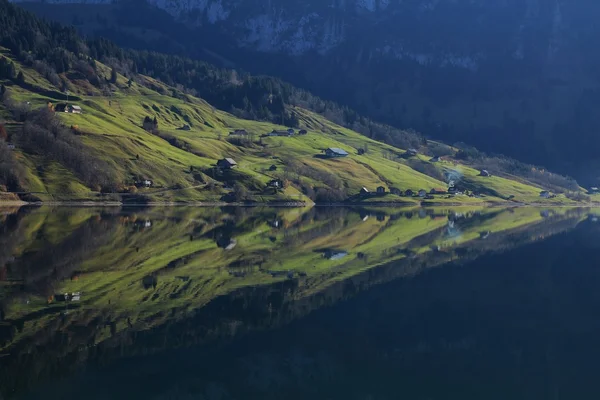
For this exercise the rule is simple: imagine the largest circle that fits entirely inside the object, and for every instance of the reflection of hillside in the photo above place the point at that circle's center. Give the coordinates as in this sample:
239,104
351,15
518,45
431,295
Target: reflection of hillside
204,292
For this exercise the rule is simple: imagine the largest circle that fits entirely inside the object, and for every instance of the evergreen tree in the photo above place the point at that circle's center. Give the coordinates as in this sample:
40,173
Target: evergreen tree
20,78
113,75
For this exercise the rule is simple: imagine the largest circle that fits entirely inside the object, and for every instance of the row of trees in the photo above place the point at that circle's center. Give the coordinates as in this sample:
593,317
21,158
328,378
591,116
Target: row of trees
43,134
252,97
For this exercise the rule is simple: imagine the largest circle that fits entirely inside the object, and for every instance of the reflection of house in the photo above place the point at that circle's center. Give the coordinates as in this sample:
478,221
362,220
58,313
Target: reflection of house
335,152
149,281
226,163
276,183
335,254
239,132
67,297
226,243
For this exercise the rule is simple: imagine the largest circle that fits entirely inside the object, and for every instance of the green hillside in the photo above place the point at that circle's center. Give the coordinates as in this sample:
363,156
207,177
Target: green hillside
179,155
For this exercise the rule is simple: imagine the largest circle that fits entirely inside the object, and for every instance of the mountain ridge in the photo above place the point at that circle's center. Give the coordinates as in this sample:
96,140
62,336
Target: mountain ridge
135,128
492,74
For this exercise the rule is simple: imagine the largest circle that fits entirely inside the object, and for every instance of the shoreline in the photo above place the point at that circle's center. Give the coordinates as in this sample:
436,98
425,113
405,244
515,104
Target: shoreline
288,204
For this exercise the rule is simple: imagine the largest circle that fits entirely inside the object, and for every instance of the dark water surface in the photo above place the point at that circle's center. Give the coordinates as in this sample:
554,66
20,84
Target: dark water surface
323,303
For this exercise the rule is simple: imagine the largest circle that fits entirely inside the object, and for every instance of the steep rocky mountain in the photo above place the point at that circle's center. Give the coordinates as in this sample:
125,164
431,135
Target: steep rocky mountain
510,76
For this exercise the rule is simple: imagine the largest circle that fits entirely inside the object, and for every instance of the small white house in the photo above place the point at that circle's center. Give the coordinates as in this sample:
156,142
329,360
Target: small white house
422,193
147,183
11,146
74,109
545,194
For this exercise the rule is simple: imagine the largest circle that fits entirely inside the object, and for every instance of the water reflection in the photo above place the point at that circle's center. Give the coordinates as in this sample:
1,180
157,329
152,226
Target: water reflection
83,287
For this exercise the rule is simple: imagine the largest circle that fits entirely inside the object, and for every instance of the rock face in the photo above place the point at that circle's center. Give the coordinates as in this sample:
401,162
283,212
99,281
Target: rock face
461,33
510,76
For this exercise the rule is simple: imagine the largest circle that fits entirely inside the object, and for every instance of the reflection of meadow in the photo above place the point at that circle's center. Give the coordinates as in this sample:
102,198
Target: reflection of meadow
94,275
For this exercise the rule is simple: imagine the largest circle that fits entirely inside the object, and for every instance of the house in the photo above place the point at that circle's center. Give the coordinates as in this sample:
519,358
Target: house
429,197
273,167
452,190
185,127
275,183
302,132
74,109
239,132
226,163
594,190
334,254
333,152
61,107
11,146
434,159
545,194
275,132
396,191
484,172
409,193
380,190
147,183
364,191
438,191
422,193
412,152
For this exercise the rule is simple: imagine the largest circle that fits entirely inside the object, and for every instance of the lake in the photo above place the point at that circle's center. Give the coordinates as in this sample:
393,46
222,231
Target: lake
291,303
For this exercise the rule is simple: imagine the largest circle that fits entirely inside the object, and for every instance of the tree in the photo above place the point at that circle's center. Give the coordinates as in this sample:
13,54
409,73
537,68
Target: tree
113,75
3,134
20,78
129,82
240,193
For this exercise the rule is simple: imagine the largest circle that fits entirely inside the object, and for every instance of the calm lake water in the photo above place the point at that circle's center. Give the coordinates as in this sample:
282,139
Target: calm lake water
322,303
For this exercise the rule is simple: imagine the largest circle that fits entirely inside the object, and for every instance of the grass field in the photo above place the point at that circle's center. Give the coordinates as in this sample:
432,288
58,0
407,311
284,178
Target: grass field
181,163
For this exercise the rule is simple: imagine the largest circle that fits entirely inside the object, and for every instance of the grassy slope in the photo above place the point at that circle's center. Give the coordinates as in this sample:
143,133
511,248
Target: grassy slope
111,127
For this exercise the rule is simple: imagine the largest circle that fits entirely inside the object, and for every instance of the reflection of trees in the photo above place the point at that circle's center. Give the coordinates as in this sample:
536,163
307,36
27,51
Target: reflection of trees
65,342
40,270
